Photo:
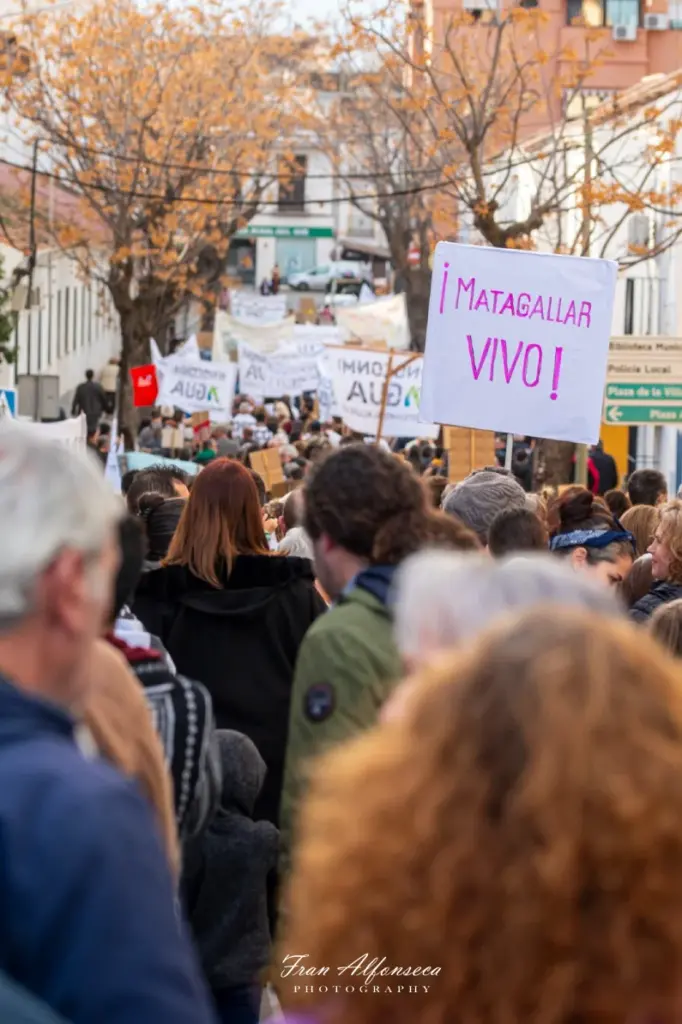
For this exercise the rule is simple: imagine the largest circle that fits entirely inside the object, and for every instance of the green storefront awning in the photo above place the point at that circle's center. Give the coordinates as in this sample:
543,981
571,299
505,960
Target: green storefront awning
282,231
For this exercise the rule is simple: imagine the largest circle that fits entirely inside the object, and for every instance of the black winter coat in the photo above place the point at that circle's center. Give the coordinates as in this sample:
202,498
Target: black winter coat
660,593
241,642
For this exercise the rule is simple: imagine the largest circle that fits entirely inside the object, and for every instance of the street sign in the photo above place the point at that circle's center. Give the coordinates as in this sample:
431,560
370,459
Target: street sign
653,358
643,414
634,391
644,381
8,402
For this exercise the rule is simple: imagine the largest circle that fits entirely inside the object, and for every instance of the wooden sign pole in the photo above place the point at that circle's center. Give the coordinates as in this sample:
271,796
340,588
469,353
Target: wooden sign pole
391,371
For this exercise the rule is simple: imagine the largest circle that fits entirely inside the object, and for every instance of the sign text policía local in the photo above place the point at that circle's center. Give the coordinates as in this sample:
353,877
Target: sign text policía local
644,380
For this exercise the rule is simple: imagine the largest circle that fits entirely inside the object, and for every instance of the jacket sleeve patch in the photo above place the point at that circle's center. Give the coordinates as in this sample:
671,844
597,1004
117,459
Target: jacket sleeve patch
319,702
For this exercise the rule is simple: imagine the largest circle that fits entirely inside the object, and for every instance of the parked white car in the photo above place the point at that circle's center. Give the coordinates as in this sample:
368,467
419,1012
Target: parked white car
318,278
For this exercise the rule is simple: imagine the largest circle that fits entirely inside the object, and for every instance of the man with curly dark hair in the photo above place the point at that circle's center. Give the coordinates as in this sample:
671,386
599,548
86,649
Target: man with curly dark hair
365,511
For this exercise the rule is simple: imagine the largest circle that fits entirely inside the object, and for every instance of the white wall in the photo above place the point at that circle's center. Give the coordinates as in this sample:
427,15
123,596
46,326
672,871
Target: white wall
75,328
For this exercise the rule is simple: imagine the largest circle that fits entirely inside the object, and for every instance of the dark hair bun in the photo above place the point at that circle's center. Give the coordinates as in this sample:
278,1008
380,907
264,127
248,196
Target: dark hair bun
148,502
577,509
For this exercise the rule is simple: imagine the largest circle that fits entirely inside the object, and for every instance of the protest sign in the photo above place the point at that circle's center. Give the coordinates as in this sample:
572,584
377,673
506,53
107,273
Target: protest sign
145,386
383,320
73,433
228,332
252,308
172,437
112,469
358,378
194,385
272,376
518,342
468,450
325,394
268,464
311,339
188,350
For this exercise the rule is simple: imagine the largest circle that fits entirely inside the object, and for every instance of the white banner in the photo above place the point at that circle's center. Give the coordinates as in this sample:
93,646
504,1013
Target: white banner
228,332
72,432
325,394
272,376
252,308
194,385
112,470
188,350
518,342
358,378
384,320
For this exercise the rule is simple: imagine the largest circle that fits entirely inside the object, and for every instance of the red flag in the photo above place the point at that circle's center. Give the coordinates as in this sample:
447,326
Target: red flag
145,385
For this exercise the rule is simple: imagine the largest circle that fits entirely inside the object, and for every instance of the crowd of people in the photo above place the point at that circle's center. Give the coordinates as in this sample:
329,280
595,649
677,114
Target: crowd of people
384,748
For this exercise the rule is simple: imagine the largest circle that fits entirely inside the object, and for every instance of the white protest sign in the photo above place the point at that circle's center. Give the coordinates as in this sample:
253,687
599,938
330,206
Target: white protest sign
358,380
310,340
272,376
194,385
112,470
384,320
518,342
188,350
252,308
228,332
73,433
325,394
320,334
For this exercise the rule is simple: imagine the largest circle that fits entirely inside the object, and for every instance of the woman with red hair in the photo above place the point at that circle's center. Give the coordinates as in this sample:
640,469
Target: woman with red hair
235,613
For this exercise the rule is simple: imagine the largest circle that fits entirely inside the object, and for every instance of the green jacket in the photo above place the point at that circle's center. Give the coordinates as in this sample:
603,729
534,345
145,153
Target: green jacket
347,666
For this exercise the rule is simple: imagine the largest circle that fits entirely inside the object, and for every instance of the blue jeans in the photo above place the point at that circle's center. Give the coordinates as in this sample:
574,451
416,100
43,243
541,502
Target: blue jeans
239,1005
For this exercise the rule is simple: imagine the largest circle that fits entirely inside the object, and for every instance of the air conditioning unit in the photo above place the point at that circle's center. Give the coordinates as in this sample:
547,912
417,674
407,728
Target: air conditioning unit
656,22
625,33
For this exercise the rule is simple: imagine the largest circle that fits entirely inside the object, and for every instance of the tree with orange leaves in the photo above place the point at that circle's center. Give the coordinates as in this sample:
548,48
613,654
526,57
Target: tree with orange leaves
162,118
477,132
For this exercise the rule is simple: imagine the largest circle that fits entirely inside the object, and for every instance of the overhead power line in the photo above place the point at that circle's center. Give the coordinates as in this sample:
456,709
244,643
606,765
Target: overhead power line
224,172
216,201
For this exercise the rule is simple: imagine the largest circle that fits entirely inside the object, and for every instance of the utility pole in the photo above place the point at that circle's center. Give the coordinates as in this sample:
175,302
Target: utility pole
581,474
32,257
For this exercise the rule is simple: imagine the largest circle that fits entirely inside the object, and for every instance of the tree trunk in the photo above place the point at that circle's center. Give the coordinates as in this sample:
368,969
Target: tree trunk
553,463
135,351
417,292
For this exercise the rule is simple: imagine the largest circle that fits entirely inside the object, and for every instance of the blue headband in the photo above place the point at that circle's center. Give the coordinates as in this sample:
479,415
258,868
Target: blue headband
591,539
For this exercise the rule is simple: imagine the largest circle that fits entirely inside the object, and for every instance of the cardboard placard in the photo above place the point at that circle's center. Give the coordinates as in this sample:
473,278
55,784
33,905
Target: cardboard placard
268,464
172,438
307,311
468,450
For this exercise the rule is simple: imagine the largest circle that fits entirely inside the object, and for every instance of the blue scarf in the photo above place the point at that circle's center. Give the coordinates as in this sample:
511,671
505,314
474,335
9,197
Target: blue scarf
591,539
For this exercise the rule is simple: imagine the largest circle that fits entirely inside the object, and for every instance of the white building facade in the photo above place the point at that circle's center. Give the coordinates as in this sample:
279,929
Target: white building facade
305,222
71,327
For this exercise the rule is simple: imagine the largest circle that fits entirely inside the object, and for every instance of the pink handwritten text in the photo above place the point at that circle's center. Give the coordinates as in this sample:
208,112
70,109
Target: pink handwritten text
524,305
528,359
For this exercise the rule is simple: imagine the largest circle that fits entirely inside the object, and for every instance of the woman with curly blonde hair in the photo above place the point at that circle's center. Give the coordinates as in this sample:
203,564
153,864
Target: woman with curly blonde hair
509,850
666,563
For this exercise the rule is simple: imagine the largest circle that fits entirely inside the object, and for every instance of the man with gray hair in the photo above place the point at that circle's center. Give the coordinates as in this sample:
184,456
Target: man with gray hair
478,499
444,599
88,923
295,541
